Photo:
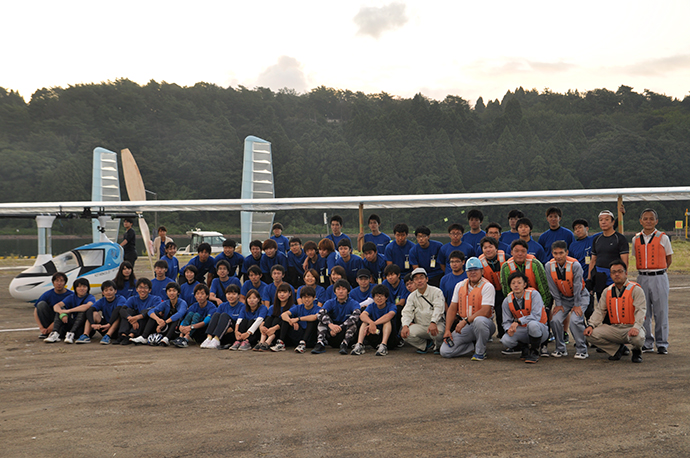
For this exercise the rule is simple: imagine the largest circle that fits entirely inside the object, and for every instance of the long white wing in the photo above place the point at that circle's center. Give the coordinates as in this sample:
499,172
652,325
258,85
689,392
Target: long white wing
105,186
257,182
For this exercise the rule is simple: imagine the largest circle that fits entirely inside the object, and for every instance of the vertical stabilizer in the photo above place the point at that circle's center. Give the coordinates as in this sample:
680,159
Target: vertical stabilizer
105,187
257,183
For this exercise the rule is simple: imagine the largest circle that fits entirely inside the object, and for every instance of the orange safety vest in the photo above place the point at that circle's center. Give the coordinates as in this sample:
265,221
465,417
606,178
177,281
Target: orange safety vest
489,274
519,313
528,270
469,301
649,255
621,309
564,286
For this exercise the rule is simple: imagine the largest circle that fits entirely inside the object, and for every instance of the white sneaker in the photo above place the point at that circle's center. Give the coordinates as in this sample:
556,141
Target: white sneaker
280,346
558,354
214,343
53,337
301,347
165,341
140,340
69,338
205,343
581,355
358,350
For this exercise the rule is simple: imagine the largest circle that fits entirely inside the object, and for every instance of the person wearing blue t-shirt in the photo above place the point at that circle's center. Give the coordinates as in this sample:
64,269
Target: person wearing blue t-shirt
70,313
336,234
255,283
507,237
233,258
300,321
310,277
271,327
278,276
362,294
204,264
104,315
173,263
254,258
524,227
337,320
377,323
398,294
158,284
44,313
125,280
337,273
476,234
555,232
164,318
197,318
581,248
455,275
327,258
221,282
348,261
251,317
134,315
272,257
187,286
425,255
296,257
398,251
493,230
282,241
378,238
374,262
456,244
220,332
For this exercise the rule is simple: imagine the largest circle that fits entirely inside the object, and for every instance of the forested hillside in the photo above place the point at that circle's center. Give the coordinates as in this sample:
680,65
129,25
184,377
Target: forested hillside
188,142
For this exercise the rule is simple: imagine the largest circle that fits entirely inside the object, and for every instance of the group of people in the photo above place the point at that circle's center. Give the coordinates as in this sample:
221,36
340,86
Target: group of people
443,299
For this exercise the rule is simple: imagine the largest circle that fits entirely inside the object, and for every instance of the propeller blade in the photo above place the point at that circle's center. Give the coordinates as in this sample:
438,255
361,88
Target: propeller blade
146,235
136,192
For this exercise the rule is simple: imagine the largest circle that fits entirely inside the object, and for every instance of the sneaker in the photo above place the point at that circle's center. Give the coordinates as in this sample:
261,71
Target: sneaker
544,351
53,337
401,342
382,350
566,338
42,336
647,350
139,341
358,350
236,345
319,348
437,350
343,348
105,340
206,343
478,357
280,346
69,338
83,339
581,355
524,353
245,346
125,340
532,358
559,354
511,351
214,344
164,342
429,346
258,347
301,347
662,350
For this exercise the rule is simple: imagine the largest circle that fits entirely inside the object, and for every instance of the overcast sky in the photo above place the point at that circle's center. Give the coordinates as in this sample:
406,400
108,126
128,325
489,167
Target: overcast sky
465,48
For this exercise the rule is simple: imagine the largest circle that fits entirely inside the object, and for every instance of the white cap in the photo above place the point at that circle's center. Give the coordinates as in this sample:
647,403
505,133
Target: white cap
418,270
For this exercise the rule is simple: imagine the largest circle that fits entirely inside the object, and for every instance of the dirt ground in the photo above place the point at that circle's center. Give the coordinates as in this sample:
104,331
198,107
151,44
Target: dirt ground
93,400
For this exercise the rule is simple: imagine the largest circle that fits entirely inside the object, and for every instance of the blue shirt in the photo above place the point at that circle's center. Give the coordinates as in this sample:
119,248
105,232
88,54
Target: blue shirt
249,286
158,287
375,312
205,312
127,290
507,237
248,262
448,283
473,240
267,263
360,296
447,249
187,292
351,267
218,287
75,301
397,293
320,294
233,312
202,267
283,243
423,257
323,266
550,236
299,310
178,312
248,315
376,268
340,312
143,306
235,261
173,267
106,308
271,292
582,251
537,250
399,255
296,262
51,297
337,239
381,241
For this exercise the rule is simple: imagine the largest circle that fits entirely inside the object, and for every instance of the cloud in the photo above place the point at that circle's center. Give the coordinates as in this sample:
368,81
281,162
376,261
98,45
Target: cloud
500,66
287,73
374,21
657,67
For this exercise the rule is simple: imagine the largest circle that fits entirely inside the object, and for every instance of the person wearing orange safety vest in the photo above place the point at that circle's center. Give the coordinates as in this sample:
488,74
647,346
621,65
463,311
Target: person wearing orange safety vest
492,260
566,284
625,305
524,318
653,256
470,315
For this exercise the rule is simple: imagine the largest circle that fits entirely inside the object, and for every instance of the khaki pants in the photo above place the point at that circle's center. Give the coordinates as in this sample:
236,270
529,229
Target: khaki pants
419,335
610,337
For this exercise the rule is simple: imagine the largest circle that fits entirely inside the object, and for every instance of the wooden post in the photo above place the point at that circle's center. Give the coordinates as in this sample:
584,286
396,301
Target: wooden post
621,226
360,237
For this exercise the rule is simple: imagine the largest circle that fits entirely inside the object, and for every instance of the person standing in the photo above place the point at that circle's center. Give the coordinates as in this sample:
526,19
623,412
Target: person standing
606,248
129,242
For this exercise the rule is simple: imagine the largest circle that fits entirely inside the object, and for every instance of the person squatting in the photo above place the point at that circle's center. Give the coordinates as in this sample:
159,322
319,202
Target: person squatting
449,300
